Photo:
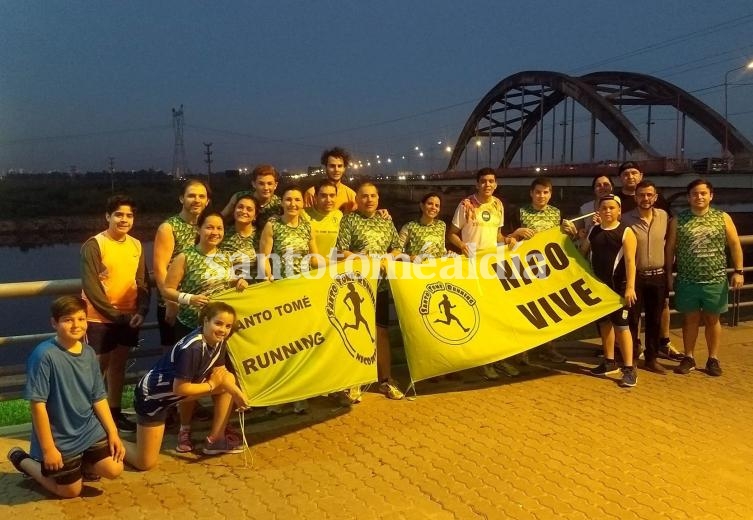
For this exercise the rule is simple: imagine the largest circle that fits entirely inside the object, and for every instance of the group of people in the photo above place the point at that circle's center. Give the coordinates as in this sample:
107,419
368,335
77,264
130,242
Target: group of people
632,245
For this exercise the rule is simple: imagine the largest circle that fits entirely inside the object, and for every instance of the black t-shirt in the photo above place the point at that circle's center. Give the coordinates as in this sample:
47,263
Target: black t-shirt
608,256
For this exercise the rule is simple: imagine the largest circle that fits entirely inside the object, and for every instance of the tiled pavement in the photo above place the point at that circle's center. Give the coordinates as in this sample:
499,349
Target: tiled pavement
553,444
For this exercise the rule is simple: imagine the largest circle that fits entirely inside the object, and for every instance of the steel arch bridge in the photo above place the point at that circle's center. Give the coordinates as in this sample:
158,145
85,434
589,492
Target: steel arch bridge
516,106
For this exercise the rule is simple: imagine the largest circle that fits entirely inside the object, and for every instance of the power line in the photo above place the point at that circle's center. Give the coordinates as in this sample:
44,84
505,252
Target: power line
740,20
62,137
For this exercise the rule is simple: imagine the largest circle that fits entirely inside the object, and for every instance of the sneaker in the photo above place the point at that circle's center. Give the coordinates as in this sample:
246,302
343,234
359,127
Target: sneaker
503,367
390,390
275,409
608,366
354,394
490,373
16,455
523,359
629,377
185,444
232,433
301,407
668,351
551,354
713,368
686,365
124,424
223,445
652,365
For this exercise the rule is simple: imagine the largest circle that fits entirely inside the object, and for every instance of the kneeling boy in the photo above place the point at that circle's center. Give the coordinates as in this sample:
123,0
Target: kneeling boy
72,428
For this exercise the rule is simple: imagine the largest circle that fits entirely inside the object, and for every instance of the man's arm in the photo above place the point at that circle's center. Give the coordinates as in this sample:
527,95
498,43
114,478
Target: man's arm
669,253
453,237
91,260
309,198
164,245
143,292
629,244
227,211
735,251
508,240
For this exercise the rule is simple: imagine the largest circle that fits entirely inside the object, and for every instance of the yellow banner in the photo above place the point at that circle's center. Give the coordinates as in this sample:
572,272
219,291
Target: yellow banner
305,336
457,313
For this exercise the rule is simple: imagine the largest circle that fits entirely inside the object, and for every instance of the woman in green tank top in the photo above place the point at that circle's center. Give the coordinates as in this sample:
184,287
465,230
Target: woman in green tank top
284,242
287,239
240,243
200,272
425,237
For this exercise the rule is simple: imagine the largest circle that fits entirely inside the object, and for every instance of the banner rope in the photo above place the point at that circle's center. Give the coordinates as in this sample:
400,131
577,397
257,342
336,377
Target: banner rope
246,448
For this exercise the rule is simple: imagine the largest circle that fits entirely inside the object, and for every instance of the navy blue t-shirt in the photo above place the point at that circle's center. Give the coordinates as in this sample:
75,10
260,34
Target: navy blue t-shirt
191,359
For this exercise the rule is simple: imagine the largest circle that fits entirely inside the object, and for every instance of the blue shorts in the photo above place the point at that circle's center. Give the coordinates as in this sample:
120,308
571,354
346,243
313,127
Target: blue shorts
710,298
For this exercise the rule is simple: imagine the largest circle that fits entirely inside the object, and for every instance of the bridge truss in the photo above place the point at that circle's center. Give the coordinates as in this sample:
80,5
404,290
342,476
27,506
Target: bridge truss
515,108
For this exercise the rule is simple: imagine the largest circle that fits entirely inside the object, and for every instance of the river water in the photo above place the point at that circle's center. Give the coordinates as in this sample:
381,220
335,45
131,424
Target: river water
31,315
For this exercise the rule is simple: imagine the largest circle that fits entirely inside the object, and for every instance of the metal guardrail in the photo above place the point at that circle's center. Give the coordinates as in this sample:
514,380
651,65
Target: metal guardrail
12,377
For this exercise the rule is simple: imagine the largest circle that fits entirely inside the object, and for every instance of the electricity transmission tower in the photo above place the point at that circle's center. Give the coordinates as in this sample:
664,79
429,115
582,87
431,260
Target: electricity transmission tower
180,168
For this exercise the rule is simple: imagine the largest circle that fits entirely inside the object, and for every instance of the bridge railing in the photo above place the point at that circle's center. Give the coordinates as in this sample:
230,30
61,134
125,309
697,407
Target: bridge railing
12,377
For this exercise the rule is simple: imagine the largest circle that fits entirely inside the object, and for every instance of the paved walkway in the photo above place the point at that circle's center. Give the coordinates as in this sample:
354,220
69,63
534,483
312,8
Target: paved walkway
552,444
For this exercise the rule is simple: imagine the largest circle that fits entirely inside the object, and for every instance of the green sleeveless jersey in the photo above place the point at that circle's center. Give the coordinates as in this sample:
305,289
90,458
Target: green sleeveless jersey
242,253
539,219
204,274
184,234
290,244
427,241
701,243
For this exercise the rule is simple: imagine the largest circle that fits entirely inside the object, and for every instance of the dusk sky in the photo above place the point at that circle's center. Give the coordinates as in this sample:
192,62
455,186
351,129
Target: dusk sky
276,82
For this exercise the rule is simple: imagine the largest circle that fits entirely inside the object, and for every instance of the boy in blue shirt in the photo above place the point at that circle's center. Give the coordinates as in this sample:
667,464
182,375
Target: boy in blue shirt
72,428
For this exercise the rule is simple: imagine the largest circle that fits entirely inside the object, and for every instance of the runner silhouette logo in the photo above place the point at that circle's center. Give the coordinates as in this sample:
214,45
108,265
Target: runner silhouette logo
350,309
449,313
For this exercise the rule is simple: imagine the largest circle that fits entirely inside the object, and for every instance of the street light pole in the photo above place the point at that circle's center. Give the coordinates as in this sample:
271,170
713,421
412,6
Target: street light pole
726,114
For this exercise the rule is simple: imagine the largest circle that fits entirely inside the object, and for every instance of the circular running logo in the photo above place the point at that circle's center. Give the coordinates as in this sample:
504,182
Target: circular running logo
350,299
449,313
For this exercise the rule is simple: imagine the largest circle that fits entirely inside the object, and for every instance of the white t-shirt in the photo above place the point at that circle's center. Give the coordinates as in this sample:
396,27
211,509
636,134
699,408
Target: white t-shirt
479,223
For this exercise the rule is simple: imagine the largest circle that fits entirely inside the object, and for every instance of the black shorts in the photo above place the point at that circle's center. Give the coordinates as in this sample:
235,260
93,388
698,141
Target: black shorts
105,337
382,309
166,331
618,318
158,418
73,466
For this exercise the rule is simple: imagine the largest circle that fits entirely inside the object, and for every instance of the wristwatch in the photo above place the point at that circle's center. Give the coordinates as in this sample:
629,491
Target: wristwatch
738,271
